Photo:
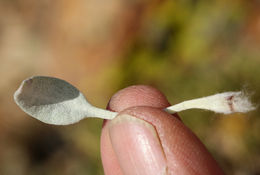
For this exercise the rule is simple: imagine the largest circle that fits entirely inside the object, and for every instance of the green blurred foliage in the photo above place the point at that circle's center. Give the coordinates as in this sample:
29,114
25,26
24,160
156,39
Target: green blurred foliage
185,48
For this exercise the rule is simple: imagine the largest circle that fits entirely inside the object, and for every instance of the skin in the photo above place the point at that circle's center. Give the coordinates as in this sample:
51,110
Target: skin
143,139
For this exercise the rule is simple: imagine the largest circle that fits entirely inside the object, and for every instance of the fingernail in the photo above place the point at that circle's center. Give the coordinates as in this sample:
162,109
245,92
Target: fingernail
137,146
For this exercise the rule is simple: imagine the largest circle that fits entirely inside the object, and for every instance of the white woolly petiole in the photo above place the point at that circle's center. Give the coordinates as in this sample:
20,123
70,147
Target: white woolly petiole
226,103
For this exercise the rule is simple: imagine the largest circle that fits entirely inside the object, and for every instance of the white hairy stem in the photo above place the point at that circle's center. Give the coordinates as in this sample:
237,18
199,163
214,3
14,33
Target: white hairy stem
226,103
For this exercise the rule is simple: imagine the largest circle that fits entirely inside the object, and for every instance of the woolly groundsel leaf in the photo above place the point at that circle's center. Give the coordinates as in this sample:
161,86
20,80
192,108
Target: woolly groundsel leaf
55,101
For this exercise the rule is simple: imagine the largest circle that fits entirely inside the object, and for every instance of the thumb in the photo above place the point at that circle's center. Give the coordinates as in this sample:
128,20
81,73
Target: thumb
147,140
137,146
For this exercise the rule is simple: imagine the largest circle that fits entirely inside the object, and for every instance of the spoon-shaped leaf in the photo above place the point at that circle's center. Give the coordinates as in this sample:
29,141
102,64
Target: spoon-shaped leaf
55,101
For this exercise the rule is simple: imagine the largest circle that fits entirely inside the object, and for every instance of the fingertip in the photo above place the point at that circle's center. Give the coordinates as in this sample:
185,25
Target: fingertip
184,152
137,95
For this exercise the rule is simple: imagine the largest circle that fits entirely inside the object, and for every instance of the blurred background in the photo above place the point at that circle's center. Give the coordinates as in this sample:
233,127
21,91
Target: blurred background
185,48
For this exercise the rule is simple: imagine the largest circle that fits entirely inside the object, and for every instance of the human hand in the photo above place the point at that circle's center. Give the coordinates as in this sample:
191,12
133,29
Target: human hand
145,140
